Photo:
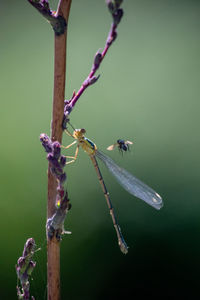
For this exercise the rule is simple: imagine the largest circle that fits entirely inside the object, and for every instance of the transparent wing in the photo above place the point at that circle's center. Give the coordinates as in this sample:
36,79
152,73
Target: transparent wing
129,142
111,147
130,183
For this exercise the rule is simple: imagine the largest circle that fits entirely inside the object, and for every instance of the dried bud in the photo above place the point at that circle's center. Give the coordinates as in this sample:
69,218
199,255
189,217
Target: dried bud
117,16
46,142
21,264
62,177
111,7
56,149
29,247
93,79
97,60
63,160
112,37
24,268
118,3
55,164
45,4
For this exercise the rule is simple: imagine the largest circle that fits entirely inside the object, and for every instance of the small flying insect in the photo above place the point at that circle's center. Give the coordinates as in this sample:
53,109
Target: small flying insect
122,145
129,182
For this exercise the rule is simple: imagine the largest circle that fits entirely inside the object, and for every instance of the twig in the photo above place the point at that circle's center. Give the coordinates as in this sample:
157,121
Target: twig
24,268
117,13
58,22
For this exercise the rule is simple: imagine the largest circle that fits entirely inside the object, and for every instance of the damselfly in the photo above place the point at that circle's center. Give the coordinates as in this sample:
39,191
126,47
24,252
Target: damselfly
129,182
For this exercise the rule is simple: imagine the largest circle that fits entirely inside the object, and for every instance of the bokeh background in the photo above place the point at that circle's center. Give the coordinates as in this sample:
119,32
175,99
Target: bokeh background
148,92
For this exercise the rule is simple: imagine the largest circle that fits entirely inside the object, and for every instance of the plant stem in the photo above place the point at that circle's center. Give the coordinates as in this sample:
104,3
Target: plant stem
53,246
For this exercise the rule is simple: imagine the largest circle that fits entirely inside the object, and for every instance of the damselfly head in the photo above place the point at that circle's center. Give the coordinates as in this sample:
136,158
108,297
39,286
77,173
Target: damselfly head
83,131
79,133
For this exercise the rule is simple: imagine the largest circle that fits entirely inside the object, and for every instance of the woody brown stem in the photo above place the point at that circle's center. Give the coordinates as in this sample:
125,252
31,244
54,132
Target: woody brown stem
53,245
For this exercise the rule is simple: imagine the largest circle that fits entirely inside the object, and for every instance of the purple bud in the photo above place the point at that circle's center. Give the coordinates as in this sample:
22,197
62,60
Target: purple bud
66,102
63,160
62,177
111,37
29,247
21,262
26,288
67,111
117,16
93,79
24,268
53,160
56,149
51,157
45,4
114,36
111,7
114,5
46,142
56,171
118,3
67,108
97,60
56,168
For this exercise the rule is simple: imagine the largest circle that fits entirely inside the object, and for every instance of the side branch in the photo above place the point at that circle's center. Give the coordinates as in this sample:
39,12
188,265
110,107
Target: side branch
117,13
57,21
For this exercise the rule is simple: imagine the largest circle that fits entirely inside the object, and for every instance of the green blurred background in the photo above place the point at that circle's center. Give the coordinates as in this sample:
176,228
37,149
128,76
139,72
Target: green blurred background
148,92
